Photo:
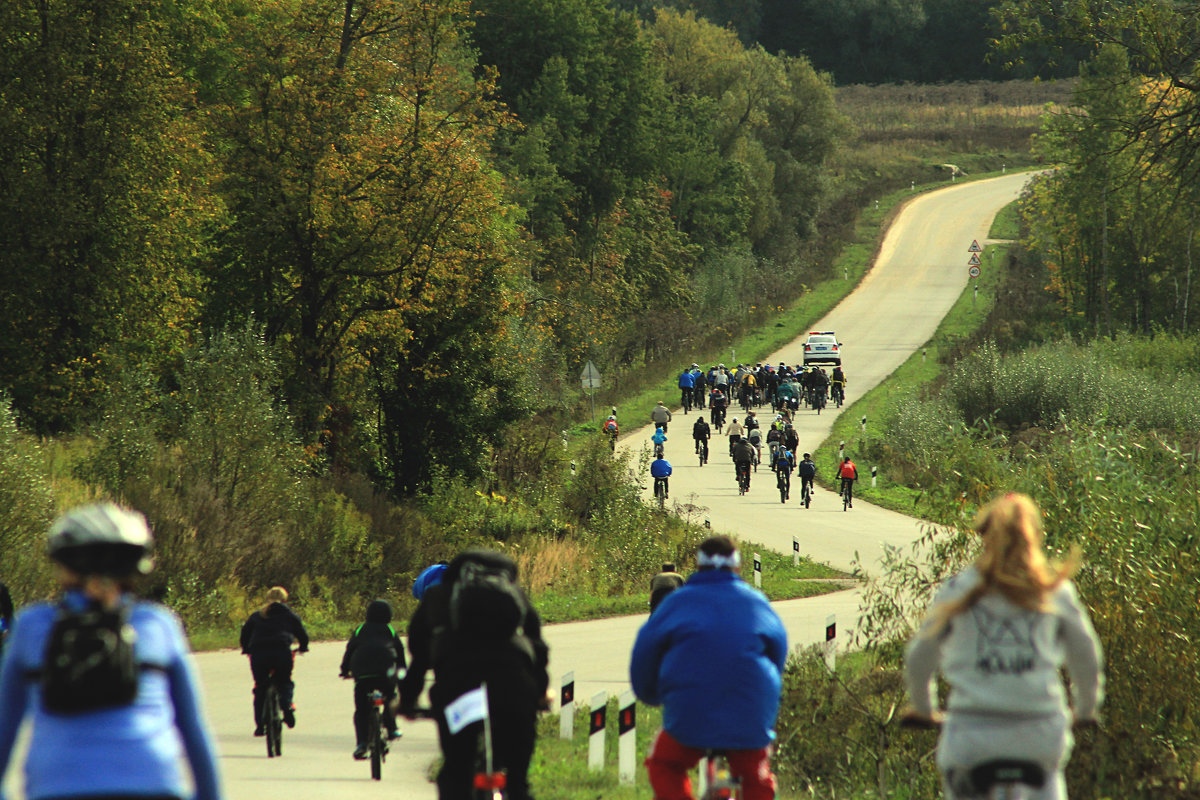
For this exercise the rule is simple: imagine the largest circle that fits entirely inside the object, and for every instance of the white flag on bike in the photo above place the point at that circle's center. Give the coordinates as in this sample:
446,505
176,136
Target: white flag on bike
471,707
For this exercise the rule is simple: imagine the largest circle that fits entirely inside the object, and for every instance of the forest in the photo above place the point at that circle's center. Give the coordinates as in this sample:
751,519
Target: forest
274,269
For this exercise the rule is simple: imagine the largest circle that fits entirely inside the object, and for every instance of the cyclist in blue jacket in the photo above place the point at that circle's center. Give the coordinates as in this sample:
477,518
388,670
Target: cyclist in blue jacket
129,750
712,655
660,470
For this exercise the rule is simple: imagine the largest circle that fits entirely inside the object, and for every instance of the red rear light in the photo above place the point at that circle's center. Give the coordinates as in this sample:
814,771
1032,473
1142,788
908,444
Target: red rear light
807,347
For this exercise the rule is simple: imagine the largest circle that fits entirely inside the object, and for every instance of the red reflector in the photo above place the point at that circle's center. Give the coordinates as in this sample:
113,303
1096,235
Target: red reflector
495,780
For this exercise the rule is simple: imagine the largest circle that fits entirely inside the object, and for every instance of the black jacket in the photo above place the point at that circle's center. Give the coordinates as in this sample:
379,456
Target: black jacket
514,669
273,629
375,649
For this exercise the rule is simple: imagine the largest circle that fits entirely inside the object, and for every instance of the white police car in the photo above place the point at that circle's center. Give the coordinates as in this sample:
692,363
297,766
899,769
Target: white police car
822,347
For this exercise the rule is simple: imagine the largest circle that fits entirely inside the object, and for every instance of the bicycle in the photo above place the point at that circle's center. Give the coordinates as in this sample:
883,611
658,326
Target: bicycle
271,721
660,491
719,783
839,394
685,399
995,779
805,492
658,449
846,489
377,744
818,399
488,783
783,481
743,477
702,451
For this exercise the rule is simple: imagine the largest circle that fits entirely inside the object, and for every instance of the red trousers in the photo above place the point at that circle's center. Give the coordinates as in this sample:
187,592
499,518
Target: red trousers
669,761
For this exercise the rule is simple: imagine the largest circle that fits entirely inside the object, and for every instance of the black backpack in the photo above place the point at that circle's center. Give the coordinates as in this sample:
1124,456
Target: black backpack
486,603
89,662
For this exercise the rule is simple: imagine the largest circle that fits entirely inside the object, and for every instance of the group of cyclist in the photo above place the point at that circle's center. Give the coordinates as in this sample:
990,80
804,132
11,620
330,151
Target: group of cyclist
784,388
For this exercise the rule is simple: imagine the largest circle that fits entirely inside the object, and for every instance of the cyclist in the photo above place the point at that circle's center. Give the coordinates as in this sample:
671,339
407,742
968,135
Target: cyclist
785,462
663,584
374,657
699,386
735,431
660,470
838,382
806,470
701,432
611,428
267,637
774,438
687,389
743,457
659,437
718,402
712,656
754,437
467,649
751,421
660,415
126,749
999,632
790,439
848,474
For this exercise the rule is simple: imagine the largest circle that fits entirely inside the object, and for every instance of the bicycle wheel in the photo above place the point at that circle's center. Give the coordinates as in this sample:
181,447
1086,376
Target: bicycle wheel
845,496
782,491
273,719
377,746
806,494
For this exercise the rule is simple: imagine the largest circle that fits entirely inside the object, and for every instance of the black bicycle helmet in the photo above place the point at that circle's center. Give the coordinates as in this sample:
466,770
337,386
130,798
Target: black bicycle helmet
101,539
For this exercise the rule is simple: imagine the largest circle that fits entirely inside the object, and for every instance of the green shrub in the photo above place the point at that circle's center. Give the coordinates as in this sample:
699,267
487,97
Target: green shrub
26,511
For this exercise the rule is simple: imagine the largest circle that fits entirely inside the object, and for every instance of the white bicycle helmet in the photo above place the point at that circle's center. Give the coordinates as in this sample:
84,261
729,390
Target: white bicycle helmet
101,539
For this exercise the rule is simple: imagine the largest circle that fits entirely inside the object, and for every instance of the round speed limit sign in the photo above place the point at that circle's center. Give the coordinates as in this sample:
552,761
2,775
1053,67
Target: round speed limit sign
973,272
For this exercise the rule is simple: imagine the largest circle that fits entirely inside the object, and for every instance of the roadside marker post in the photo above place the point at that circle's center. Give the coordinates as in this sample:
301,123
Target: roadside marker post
597,725
795,551
627,738
757,571
831,642
874,477
566,706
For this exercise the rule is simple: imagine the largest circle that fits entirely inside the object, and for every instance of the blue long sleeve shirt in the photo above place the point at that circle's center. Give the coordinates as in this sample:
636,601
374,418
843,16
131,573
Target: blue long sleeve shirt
712,655
132,750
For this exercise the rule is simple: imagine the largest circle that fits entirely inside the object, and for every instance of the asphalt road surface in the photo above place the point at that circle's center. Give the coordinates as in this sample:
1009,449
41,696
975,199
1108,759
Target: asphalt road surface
920,272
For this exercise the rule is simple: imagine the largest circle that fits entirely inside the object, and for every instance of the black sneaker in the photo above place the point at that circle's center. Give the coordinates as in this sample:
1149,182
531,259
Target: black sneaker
289,716
260,731
360,753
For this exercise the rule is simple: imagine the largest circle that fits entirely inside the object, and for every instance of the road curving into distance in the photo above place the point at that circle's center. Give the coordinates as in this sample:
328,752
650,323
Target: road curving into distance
921,270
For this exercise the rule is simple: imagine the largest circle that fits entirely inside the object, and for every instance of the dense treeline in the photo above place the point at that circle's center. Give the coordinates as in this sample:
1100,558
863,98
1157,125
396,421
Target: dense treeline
432,211
882,41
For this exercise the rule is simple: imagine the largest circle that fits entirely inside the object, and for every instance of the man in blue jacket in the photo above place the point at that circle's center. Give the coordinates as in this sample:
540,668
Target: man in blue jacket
712,655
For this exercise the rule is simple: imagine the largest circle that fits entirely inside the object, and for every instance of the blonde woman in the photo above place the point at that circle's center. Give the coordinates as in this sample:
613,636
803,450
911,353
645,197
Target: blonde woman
998,632
267,637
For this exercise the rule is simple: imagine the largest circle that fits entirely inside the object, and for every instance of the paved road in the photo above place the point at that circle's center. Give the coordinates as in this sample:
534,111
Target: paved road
920,272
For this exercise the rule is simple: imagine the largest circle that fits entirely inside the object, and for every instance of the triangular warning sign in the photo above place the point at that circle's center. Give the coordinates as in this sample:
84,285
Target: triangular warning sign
974,260
975,248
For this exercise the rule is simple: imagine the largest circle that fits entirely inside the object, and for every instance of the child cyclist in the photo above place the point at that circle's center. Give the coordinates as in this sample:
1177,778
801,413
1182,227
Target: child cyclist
374,658
999,632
